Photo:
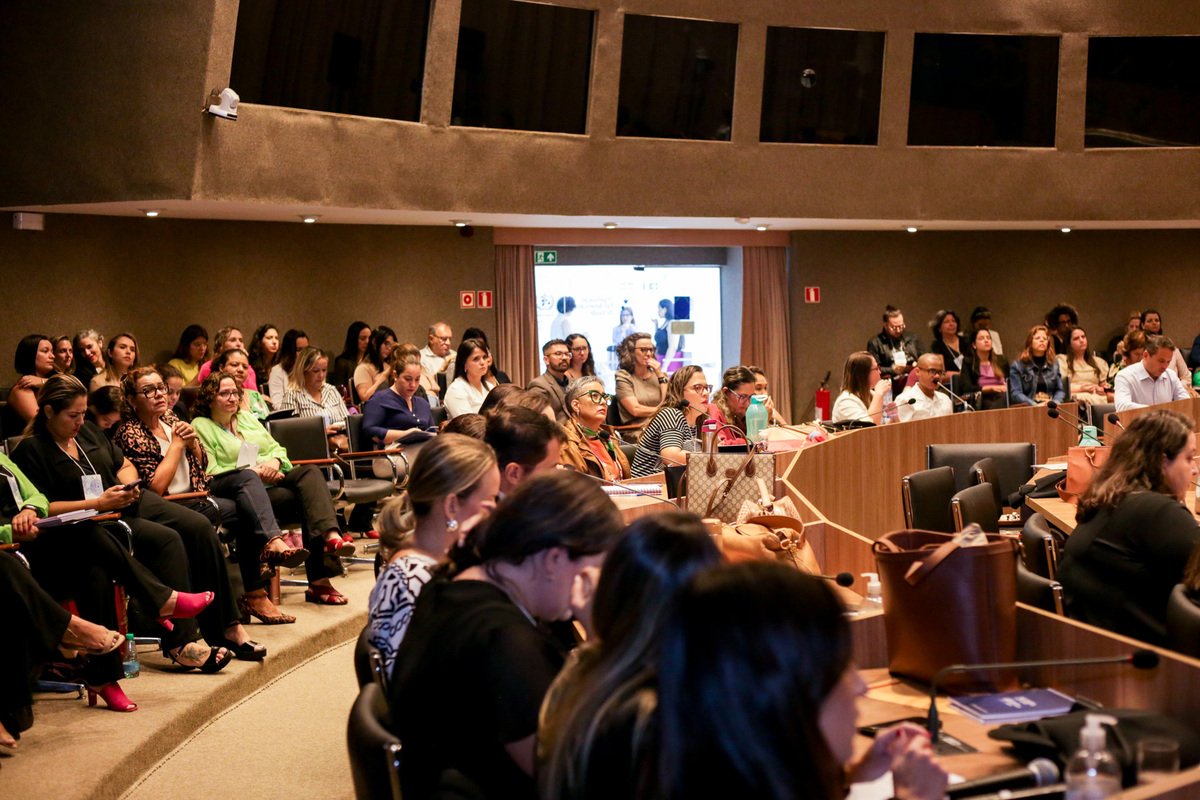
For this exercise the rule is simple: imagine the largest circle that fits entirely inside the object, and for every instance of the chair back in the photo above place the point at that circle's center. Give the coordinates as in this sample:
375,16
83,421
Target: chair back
439,414
1039,547
1034,590
1013,462
984,471
926,497
1098,414
374,749
354,432
303,437
1183,623
975,504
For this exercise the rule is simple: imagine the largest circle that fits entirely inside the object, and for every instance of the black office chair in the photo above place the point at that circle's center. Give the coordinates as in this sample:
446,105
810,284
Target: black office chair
368,661
1040,547
374,750
926,498
975,504
1013,462
439,414
1034,590
984,471
1098,414
365,455
1183,623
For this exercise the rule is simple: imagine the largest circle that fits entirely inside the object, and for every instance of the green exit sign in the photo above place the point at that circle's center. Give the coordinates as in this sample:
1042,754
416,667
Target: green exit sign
545,256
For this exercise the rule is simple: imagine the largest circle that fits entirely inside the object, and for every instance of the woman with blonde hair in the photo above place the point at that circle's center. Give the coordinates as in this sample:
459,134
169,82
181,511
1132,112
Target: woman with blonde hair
309,395
454,484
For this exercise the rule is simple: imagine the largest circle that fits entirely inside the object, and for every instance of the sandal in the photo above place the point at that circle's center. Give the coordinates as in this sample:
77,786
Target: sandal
74,643
261,608
338,547
246,651
324,595
218,657
290,558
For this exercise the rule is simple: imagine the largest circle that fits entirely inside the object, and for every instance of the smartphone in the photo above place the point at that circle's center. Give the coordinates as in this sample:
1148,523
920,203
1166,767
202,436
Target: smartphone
871,730
133,484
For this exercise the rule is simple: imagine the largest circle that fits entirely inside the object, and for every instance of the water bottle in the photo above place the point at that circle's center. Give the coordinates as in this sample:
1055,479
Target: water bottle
130,662
889,408
709,432
1093,773
874,597
756,419
1089,437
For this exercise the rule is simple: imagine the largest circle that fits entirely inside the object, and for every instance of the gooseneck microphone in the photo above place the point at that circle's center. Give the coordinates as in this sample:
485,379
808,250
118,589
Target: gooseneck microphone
945,387
1113,419
1054,413
1053,406
1039,772
841,579
1140,659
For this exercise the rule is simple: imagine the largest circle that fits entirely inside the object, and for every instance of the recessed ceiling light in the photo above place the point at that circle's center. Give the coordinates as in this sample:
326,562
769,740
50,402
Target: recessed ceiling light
610,225
761,227
309,219
461,223
742,220
150,212
1065,229
912,229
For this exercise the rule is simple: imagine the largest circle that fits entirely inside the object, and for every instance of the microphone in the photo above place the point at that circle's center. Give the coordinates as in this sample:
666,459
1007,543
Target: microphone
841,579
1053,406
1039,772
1113,419
1053,413
1140,659
945,387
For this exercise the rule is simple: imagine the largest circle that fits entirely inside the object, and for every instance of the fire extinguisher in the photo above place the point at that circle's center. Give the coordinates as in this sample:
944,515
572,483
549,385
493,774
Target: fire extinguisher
822,399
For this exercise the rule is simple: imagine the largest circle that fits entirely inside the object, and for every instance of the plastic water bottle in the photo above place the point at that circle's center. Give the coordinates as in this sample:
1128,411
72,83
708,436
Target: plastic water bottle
873,601
1089,437
756,418
889,408
1093,773
130,662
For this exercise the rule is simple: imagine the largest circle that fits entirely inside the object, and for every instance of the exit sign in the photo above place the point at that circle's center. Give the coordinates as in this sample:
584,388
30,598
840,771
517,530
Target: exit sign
545,256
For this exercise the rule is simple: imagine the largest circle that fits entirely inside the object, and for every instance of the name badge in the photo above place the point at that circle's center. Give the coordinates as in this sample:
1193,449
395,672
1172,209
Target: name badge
899,358
247,455
15,488
93,487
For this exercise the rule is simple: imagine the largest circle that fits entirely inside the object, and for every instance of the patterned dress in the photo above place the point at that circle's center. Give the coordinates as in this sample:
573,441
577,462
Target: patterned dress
392,601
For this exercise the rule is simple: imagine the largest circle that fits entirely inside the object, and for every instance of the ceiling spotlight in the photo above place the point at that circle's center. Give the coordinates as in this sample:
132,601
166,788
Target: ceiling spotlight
150,212
1065,229
309,219
461,223
761,227
608,226
741,220
912,229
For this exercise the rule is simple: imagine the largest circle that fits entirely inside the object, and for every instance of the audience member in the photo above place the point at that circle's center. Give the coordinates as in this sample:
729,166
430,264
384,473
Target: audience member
104,407
596,738
1132,347
668,345
789,732
452,487
1059,321
190,353
471,384
1151,381
475,664
1134,534
122,357
582,362
669,434
398,413
895,351
230,338
922,400
1086,372
1152,326
987,372
354,350
762,387
499,376
64,355
525,443
236,362
34,362
553,382
1133,323
310,396
590,445
173,380
373,372
981,319
473,425
864,391
1034,379
88,345
641,385
730,404
294,340
948,342
437,359
264,349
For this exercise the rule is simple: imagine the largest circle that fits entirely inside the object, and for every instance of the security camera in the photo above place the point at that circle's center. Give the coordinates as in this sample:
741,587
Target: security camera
223,105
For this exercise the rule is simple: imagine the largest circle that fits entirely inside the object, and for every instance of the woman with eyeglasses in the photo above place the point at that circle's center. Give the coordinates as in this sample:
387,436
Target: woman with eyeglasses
582,362
236,362
666,438
641,384
863,390
730,404
590,446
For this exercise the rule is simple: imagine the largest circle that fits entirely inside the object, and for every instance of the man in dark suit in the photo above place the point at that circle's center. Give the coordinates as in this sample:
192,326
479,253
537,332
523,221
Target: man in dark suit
553,382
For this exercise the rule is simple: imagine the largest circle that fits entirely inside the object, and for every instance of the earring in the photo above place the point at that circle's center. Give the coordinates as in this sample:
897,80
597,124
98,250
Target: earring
451,524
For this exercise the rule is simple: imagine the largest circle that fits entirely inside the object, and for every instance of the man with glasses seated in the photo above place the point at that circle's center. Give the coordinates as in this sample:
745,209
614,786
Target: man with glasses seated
591,446
437,358
553,382
922,400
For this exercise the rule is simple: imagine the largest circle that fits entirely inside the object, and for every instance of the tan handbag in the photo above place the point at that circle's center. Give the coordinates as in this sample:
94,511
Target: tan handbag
718,483
947,604
770,538
1083,464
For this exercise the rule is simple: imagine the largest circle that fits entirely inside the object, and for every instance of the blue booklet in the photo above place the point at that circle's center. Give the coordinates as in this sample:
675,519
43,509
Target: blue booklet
1022,705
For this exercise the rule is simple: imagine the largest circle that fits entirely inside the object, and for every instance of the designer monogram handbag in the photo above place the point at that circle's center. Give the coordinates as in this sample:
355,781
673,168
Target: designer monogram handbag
718,483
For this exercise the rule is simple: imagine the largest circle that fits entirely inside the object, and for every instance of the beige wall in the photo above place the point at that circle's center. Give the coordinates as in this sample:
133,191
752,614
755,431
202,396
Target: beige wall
1105,274
153,277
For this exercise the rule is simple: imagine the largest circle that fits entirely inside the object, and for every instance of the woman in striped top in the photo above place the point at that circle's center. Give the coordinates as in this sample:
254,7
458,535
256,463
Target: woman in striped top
665,439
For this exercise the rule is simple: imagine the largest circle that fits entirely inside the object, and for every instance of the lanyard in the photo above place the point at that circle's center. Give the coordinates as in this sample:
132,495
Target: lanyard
75,461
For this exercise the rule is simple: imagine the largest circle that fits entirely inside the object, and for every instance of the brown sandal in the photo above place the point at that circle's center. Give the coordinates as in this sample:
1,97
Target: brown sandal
261,608
324,595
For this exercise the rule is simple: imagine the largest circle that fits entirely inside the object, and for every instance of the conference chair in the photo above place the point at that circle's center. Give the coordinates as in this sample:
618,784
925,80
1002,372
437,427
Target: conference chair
374,750
926,497
1034,590
1039,547
1013,462
975,504
439,414
1098,414
368,661
1183,623
366,456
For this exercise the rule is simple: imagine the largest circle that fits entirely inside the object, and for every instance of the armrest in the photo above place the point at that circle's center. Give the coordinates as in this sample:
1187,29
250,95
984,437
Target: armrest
183,497
395,451
316,462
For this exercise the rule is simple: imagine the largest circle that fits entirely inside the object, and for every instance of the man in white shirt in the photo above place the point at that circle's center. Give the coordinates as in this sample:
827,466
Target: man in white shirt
437,358
1150,382
922,400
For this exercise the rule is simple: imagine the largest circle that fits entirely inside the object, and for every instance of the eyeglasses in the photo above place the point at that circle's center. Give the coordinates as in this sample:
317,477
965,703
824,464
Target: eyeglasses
558,353
599,398
935,371
583,348
226,394
151,391
701,387
742,398
644,349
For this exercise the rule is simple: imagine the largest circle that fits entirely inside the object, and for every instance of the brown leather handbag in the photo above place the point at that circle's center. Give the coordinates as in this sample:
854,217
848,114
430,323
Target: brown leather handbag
948,604
1083,464
770,538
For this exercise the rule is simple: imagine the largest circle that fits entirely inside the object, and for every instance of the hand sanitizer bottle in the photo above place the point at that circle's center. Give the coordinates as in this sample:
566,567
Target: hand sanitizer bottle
1093,773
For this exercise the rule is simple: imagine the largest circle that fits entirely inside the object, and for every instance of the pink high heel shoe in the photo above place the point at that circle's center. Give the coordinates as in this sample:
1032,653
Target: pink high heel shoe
113,697
187,606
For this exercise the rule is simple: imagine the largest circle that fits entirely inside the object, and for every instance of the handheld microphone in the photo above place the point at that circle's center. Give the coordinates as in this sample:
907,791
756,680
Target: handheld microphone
1113,419
945,387
1039,772
1140,659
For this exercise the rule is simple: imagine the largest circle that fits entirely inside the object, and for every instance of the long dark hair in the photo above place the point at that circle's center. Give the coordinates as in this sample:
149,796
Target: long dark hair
1136,461
374,354
1089,356
589,366
655,557
25,359
856,375
350,346
190,334
260,360
465,348
999,363
288,349
748,657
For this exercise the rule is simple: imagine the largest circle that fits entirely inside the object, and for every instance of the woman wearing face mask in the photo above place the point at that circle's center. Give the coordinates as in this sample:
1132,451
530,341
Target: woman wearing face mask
590,446
475,663
398,412
122,357
665,441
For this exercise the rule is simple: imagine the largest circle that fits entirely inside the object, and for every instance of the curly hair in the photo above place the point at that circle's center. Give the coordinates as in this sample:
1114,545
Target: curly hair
208,393
625,350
